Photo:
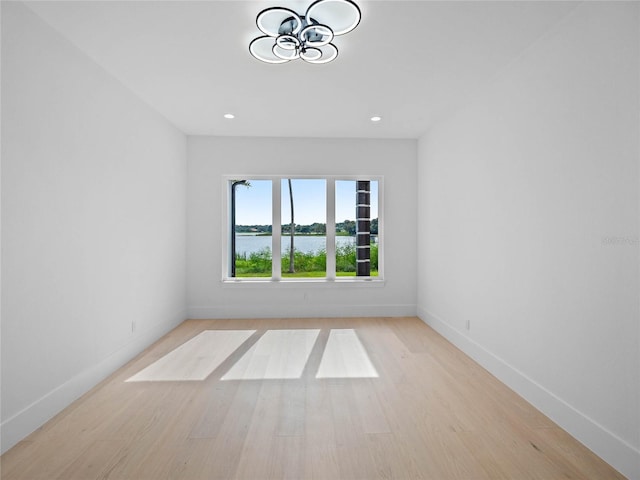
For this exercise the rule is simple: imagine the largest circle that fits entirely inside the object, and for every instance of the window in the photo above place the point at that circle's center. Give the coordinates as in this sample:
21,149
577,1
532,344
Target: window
357,240
302,228
251,216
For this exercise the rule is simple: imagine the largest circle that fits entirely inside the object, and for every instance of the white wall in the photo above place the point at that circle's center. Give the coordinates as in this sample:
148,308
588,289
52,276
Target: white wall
520,193
93,223
211,157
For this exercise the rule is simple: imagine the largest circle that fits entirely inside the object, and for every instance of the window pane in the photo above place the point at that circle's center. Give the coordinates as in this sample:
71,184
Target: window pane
351,201
308,199
253,226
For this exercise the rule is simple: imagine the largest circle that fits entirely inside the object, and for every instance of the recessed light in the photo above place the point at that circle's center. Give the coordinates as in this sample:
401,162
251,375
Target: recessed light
229,116
376,119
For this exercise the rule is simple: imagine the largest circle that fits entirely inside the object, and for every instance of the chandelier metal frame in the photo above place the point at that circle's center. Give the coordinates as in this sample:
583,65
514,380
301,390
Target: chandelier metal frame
290,36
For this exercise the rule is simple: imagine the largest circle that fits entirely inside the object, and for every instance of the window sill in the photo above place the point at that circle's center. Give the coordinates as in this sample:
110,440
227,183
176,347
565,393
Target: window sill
246,282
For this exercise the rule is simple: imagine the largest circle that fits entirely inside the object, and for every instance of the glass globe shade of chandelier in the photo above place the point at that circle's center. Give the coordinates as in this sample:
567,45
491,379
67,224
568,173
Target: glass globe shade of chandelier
290,36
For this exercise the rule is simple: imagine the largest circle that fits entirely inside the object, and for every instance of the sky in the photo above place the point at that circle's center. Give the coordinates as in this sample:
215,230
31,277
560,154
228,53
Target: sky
253,204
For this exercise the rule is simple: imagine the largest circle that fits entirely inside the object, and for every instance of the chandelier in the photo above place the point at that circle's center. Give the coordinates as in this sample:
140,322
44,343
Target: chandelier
289,35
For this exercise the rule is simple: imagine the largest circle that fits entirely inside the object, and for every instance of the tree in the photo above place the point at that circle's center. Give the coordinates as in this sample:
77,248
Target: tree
292,231
350,227
319,228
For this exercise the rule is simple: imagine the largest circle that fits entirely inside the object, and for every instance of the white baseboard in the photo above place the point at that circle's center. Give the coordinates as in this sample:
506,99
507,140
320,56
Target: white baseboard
300,311
612,449
39,412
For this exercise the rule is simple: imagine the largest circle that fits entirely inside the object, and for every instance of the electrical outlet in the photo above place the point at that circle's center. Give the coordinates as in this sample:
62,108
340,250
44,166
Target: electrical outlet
133,327
468,325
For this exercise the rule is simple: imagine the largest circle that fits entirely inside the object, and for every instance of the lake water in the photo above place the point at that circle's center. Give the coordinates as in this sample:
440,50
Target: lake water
308,244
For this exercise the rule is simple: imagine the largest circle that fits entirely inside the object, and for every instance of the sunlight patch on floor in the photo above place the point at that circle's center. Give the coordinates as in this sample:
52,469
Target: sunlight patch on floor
195,359
345,357
279,354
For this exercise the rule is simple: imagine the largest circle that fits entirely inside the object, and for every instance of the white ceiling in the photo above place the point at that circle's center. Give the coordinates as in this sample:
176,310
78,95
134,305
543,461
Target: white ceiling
409,61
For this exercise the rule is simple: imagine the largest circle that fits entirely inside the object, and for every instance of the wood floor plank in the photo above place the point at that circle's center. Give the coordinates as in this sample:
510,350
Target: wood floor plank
255,458
321,451
287,455
352,456
365,399
292,409
220,399
299,399
224,457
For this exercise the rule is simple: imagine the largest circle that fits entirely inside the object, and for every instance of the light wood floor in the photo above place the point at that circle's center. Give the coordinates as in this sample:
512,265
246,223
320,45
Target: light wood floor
430,413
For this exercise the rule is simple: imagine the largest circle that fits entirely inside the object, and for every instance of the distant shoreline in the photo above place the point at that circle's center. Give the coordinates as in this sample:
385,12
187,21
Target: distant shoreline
286,234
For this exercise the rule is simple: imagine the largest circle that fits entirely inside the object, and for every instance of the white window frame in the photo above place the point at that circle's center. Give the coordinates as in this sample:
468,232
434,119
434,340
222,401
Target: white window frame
276,232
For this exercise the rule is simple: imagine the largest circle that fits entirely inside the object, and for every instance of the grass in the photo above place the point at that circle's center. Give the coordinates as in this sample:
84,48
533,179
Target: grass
300,274
306,264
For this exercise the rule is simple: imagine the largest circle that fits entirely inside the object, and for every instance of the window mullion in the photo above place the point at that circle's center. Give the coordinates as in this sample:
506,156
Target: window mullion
276,230
331,229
